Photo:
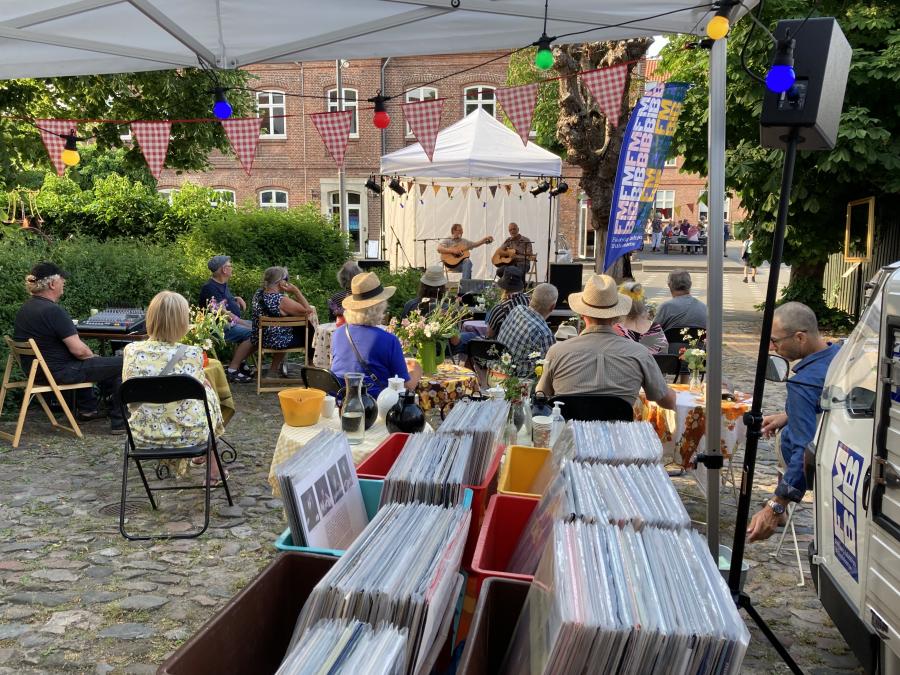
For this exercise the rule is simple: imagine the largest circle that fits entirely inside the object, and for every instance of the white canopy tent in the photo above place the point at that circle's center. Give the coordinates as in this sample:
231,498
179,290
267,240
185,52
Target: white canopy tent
471,157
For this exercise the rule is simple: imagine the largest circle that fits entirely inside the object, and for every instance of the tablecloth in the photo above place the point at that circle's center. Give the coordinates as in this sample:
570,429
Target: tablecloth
477,327
215,373
322,345
683,430
445,387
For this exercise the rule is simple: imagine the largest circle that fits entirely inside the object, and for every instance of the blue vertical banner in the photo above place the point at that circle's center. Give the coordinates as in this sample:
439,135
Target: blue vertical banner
644,148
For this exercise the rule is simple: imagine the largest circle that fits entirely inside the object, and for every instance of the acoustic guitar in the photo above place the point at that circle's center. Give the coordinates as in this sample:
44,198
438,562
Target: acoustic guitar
457,255
503,256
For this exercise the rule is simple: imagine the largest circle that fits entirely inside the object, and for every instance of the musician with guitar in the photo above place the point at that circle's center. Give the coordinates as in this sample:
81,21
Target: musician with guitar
516,250
455,251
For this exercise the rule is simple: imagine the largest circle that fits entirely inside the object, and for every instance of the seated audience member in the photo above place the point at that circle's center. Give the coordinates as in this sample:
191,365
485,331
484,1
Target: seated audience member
525,330
683,310
432,289
600,361
684,228
344,276
512,283
68,358
693,233
179,424
279,297
361,345
239,331
637,325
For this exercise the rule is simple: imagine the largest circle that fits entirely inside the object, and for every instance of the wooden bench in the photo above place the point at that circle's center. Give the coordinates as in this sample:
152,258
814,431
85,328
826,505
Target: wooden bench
685,245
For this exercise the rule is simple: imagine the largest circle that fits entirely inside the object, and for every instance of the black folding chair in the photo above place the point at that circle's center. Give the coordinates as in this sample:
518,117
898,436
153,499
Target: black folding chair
669,364
595,408
320,378
159,391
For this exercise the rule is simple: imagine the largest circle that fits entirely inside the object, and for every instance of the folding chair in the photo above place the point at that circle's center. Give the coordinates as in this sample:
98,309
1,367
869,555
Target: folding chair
320,378
29,349
159,391
531,278
277,384
669,364
789,524
595,407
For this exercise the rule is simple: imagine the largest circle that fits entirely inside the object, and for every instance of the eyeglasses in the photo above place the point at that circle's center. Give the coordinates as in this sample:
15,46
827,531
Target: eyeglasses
776,341
286,277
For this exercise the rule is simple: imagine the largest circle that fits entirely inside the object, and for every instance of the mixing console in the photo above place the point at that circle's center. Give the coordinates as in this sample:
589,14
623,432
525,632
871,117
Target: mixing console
114,320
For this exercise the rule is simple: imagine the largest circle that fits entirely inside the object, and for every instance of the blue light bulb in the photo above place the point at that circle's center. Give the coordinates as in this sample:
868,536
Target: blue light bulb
222,109
780,78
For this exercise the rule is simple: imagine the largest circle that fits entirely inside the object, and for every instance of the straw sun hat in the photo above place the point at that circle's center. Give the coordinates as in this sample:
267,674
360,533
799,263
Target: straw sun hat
434,276
600,299
366,291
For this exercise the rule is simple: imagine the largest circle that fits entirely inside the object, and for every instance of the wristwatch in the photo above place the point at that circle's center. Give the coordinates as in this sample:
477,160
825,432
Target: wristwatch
776,507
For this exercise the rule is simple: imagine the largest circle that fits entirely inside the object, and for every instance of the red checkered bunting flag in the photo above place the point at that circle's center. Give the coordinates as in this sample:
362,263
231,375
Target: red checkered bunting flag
518,104
424,119
607,85
243,134
153,139
334,128
50,130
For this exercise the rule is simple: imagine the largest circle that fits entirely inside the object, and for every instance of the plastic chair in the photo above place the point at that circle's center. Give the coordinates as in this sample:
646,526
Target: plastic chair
669,364
320,378
273,384
29,349
595,408
162,390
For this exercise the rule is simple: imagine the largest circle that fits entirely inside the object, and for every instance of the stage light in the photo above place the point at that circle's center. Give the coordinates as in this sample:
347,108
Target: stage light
781,75
544,57
70,156
543,186
396,187
221,108
561,188
373,185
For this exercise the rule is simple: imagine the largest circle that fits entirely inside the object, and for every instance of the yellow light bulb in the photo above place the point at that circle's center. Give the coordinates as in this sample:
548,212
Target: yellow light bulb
70,157
717,27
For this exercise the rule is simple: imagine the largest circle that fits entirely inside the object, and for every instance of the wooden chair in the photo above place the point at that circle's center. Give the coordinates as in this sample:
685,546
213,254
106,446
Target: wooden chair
277,384
33,387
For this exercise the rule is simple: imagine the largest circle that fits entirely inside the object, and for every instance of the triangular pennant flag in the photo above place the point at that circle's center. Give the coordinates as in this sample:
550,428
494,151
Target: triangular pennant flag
450,191
243,134
424,119
422,188
334,128
436,188
465,191
50,134
153,139
508,188
478,192
523,186
607,85
493,189
518,104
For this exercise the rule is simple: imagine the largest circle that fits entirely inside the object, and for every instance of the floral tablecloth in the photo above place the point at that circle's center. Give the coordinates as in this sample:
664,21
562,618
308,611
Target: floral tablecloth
443,389
683,430
322,345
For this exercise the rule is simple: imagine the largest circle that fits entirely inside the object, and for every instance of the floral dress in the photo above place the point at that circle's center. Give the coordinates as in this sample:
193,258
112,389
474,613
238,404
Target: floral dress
275,337
178,424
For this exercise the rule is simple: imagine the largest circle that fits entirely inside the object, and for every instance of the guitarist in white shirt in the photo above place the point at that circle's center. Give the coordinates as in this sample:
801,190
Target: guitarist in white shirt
455,251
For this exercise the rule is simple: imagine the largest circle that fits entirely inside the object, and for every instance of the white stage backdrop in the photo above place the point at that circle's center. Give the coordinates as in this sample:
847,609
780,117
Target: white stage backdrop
416,216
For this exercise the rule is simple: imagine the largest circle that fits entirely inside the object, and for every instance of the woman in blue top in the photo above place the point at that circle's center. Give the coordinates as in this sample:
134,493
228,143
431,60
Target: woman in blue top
362,346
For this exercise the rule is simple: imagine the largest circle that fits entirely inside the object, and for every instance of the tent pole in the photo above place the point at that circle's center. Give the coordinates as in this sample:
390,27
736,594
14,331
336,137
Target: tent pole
714,281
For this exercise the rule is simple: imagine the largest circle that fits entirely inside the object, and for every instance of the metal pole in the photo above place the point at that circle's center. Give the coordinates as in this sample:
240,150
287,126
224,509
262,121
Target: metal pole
342,192
715,243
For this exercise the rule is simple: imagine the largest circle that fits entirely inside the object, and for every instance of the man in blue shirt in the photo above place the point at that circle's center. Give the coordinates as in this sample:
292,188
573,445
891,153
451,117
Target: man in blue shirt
795,336
240,329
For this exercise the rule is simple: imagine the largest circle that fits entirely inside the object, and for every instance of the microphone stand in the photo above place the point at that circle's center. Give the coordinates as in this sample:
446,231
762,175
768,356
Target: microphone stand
398,245
424,251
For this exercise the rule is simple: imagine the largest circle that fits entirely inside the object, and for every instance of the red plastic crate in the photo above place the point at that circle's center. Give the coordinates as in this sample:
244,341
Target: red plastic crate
480,496
504,523
383,457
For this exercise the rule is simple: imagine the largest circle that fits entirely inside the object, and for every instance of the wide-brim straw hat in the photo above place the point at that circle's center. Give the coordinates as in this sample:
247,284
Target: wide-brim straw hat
600,299
366,291
434,276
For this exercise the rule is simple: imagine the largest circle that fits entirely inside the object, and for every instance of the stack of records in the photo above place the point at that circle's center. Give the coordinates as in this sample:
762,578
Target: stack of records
431,469
322,499
485,421
339,646
640,494
401,570
610,443
613,600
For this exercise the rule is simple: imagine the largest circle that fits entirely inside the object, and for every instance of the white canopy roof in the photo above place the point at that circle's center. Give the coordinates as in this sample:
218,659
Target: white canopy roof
478,146
43,38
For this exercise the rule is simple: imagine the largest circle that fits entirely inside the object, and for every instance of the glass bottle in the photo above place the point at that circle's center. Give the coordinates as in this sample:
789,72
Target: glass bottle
353,412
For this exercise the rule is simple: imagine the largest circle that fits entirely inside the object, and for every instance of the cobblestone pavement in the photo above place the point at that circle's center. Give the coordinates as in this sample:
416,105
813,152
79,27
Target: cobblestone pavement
76,597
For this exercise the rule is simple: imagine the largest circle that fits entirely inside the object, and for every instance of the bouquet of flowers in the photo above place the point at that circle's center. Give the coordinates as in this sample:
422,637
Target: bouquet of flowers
418,329
693,355
208,324
507,375
489,298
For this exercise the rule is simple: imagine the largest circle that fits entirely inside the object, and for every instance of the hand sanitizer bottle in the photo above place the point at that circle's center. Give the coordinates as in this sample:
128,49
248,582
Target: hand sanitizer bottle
557,422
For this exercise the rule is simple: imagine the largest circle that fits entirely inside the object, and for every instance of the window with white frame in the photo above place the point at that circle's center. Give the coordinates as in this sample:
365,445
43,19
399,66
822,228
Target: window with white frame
586,233
354,217
167,193
271,107
665,203
479,96
703,207
419,94
351,102
223,196
273,199
671,163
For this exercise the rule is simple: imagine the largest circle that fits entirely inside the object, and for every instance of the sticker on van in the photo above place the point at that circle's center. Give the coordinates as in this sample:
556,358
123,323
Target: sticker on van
846,473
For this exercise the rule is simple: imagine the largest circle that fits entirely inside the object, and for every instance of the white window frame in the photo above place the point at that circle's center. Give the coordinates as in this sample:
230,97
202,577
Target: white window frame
348,105
328,186
225,191
584,228
274,110
334,209
480,101
168,193
274,203
416,95
704,208
665,199
671,163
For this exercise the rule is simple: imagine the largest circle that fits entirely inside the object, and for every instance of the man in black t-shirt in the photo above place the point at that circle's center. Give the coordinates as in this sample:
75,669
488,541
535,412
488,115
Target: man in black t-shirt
69,359
240,329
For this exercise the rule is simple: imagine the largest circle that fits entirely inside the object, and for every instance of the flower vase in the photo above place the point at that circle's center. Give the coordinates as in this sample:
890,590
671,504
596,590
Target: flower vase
696,385
428,357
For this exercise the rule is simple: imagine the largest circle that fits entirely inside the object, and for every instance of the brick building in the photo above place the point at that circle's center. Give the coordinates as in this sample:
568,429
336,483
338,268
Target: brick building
292,165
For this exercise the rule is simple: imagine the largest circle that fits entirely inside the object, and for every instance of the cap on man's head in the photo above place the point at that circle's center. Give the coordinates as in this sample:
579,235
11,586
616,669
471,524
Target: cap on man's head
513,279
216,262
47,269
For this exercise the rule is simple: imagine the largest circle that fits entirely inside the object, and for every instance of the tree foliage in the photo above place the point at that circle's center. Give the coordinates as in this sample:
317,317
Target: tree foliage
864,162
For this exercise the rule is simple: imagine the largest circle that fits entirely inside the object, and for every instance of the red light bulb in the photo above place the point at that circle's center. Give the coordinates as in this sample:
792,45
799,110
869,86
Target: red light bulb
381,120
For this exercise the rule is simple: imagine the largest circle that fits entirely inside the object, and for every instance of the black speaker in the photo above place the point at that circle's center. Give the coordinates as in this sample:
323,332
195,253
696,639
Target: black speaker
821,63
368,265
567,279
